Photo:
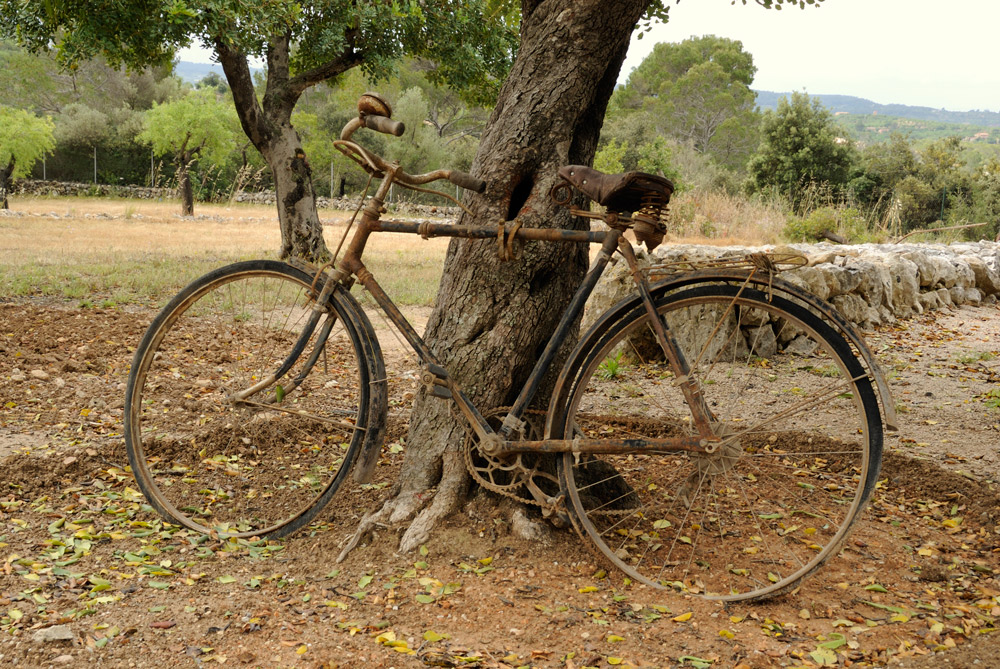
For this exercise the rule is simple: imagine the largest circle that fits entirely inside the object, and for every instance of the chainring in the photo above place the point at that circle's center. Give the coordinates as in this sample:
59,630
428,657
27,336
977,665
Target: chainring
513,475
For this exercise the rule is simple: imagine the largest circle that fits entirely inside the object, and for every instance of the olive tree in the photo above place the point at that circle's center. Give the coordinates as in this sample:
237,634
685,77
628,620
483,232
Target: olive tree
197,125
24,139
302,44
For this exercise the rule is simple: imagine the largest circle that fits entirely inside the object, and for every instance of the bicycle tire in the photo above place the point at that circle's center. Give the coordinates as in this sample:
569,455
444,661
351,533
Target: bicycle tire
801,457
264,465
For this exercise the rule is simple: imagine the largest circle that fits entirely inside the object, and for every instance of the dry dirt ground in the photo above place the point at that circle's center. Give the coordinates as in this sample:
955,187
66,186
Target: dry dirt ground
89,574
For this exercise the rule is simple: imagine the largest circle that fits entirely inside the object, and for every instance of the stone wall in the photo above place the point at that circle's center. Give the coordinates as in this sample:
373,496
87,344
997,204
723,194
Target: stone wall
70,189
870,284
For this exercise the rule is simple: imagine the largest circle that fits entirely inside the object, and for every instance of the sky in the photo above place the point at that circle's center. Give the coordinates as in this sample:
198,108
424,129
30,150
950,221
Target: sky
932,53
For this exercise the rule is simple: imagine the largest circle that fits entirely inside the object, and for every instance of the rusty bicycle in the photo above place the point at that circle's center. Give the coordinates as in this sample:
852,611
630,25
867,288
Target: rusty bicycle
716,432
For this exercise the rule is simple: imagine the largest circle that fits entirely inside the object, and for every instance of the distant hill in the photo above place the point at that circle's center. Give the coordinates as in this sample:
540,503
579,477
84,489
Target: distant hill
852,105
195,72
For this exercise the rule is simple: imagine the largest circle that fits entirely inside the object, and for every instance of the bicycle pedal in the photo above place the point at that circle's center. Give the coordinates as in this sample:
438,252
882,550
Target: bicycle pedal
440,391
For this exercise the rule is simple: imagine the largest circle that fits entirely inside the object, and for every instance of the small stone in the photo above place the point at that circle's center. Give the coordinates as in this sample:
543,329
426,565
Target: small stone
39,374
60,382
63,659
53,634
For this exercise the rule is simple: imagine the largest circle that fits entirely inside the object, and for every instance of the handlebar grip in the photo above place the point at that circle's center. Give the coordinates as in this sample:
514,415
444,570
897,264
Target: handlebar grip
384,124
466,181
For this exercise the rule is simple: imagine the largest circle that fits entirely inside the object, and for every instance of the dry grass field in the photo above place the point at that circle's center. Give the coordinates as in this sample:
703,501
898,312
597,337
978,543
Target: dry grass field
104,251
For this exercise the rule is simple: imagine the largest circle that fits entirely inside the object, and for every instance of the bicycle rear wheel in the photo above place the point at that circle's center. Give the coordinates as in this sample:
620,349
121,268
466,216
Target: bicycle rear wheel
217,443
801,449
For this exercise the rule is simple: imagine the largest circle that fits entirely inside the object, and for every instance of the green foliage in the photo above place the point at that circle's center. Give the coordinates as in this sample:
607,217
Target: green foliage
472,43
609,157
799,146
38,83
696,91
612,367
198,122
24,139
81,126
923,186
847,222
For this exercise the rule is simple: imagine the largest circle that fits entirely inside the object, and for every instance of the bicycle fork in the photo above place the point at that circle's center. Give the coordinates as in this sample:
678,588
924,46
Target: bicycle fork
689,386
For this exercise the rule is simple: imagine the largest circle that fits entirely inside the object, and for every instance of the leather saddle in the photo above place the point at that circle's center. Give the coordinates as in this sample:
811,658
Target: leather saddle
617,192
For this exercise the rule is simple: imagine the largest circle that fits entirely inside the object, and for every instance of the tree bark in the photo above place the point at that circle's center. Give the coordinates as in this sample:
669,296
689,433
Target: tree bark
491,319
184,188
5,175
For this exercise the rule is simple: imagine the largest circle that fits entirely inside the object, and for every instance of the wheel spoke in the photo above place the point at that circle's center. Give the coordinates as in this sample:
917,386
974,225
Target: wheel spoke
244,466
799,451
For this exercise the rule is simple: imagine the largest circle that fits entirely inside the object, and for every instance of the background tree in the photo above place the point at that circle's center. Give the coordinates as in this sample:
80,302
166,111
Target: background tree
24,139
696,91
189,128
37,82
470,42
800,147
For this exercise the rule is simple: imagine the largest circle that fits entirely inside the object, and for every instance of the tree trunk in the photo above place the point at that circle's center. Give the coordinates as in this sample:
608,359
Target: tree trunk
184,188
5,175
301,231
491,319
267,124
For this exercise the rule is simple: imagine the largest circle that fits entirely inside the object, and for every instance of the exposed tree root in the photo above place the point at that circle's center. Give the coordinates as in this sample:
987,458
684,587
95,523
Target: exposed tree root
409,504
450,494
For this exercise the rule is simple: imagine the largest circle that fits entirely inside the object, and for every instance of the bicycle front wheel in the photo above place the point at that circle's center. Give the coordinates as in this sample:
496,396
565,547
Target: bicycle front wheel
800,452
236,421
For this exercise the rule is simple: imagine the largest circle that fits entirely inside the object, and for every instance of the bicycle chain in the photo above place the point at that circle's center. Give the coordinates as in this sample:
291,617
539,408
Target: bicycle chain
520,473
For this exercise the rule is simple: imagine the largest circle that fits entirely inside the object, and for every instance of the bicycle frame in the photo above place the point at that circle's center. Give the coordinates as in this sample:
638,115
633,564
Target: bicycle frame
440,384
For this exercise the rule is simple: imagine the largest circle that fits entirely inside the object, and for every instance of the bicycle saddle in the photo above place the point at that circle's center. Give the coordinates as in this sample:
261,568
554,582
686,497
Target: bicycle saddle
617,192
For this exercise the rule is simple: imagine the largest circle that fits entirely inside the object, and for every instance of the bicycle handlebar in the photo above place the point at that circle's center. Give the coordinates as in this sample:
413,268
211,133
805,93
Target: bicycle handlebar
376,164
385,124
466,181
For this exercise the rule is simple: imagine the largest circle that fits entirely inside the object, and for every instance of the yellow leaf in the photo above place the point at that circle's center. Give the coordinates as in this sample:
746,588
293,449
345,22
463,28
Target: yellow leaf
614,660
726,634
589,588
736,619
301,650
433,636
614,638
684,617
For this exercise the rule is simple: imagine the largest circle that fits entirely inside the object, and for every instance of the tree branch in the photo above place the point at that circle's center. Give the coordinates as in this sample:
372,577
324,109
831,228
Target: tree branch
348,58
237,71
